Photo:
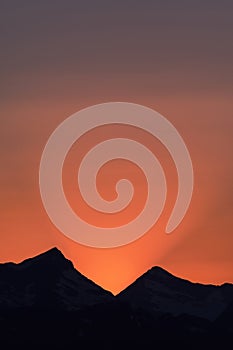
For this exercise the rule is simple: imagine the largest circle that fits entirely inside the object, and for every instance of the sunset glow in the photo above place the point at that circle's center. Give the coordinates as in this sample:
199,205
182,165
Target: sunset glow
48,80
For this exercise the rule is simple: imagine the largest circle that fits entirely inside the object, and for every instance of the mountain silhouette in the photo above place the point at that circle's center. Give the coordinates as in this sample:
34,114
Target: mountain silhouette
46,303
47,281
161,292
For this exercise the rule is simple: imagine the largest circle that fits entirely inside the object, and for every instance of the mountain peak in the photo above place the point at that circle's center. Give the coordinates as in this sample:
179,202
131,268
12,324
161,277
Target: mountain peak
53,252
50,258
157,270
158,290
48,280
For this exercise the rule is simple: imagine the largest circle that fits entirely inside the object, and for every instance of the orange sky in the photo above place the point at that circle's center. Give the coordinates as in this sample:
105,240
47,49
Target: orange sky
43,85
200,249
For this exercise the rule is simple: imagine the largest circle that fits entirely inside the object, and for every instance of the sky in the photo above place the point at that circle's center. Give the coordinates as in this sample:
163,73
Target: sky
172,56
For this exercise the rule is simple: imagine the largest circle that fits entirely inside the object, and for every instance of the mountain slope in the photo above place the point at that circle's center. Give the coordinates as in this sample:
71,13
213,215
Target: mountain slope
158,291
46,303
47,281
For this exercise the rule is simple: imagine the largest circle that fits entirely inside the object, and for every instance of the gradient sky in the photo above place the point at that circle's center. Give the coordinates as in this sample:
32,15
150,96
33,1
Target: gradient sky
58,57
